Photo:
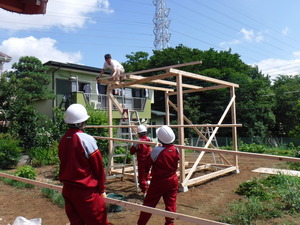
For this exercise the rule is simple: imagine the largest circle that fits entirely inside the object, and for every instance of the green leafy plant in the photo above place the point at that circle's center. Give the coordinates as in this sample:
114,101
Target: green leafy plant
266,198
44,156
252,148
56,196
10,152
122,150
26,171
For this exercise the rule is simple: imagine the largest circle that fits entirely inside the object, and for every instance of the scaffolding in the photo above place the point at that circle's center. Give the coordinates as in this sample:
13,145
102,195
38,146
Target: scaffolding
189,172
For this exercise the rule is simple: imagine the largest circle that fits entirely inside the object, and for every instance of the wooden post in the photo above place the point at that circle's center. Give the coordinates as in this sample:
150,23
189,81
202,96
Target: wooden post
167,108
110,122
234,129
180,129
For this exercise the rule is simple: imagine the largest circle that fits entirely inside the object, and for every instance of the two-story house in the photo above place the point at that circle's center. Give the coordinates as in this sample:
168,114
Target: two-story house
74,83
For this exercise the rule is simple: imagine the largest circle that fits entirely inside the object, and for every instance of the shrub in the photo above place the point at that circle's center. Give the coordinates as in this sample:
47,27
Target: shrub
98,117
122,150
10,152
254,188
26,172
255,148
266,198
56,196
247,211
44,156
17,184
296,153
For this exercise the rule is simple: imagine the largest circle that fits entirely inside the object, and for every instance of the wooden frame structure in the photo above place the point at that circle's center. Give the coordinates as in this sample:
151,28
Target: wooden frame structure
187,170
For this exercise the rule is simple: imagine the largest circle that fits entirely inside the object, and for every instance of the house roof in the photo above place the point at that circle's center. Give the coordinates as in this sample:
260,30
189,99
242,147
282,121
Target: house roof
73,66
4,57
25,7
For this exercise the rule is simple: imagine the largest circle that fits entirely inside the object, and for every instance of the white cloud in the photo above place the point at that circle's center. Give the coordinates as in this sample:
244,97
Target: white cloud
229,43
67,14
44,49
285,31
275,67
250,36
296,54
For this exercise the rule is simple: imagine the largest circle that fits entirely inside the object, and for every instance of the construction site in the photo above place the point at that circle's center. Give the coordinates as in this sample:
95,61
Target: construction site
208,175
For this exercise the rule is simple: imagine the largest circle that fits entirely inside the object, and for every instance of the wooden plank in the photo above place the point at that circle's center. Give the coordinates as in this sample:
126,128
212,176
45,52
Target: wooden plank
201,89
148,79
174,126
295,173
215,150
33,182
204,78
210,176
149,87
164,213
163,68
125,204
165,82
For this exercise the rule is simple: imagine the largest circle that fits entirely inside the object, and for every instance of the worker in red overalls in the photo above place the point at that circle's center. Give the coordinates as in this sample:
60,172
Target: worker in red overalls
143,152
164,183
81,172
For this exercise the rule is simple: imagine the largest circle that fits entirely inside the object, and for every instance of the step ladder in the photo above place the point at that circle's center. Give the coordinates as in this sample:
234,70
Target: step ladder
129,118
207,131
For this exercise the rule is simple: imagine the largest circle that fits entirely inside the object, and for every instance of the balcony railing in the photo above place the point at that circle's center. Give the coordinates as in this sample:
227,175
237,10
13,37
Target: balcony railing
99,101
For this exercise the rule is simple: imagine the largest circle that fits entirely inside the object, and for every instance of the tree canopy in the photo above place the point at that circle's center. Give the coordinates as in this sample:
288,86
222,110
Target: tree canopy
260,106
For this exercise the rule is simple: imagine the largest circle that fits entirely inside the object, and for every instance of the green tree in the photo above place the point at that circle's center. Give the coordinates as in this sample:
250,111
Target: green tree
136,61
287,94
254,109
22,88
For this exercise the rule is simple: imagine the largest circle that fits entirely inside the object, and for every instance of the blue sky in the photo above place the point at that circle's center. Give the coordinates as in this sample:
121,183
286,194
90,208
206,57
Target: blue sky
265,33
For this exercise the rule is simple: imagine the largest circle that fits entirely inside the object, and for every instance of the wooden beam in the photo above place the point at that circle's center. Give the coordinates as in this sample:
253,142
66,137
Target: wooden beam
124,84
165,82
180,120
147,79
233,129
163,68
246,154
215,150
173,126
201,77
190,122
201,89
210,176
130,205
149,87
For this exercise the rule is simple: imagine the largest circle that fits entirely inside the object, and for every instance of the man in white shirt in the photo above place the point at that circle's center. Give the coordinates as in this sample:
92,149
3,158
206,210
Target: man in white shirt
116,68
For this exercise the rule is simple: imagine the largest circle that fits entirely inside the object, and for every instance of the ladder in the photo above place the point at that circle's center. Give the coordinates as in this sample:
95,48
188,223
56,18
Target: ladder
119,160
207,131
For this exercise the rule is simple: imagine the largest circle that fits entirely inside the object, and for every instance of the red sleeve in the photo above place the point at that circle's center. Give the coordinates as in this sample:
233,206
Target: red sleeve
98,169
132,150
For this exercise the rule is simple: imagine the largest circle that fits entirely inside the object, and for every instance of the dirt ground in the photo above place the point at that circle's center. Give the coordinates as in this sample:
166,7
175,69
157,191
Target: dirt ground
206,200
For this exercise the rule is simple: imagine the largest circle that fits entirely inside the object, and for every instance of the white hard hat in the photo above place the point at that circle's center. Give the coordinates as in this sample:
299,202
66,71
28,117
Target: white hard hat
165,134
141,129
76,113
